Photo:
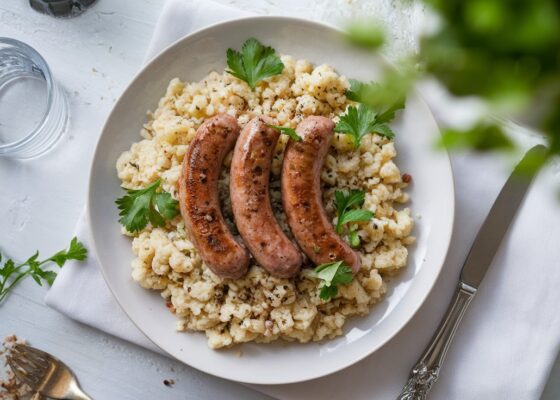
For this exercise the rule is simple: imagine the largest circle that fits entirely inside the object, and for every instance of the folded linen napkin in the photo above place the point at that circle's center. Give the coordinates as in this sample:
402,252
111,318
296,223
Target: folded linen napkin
511,334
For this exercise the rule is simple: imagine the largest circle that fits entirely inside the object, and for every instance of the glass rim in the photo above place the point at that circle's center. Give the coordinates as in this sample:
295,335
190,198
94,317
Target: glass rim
32,134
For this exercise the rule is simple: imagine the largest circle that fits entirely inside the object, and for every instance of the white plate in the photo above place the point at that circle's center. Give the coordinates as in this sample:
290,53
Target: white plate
432,195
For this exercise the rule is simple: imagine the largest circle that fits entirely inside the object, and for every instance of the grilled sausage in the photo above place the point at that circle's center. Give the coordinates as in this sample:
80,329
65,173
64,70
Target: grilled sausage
301,195
250,173
200,204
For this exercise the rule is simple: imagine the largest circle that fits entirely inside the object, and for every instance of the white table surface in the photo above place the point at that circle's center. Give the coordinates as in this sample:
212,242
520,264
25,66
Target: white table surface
94,56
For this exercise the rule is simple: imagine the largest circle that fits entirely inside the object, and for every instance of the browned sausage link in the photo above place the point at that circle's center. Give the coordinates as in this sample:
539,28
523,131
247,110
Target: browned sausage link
200,204
250,173
301,195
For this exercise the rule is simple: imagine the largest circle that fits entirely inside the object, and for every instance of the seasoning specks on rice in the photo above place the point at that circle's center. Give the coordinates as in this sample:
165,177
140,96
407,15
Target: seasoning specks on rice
260,307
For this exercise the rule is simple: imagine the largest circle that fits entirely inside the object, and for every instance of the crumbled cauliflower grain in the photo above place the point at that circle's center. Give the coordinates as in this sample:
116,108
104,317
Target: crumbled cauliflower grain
259,307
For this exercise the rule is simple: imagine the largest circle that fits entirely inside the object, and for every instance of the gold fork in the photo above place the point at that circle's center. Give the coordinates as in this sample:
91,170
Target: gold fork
44,373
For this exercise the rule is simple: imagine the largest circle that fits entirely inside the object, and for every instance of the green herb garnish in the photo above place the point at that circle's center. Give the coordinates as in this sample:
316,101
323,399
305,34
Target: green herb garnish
354,238
255,62
151,204
288,131
332,274
343,203
11,273
360,121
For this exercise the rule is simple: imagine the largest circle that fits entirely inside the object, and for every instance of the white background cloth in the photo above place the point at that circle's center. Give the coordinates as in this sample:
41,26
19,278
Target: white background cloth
509,338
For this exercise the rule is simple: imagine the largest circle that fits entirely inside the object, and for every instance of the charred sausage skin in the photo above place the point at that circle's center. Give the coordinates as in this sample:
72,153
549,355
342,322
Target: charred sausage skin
249,191
199,200
301,195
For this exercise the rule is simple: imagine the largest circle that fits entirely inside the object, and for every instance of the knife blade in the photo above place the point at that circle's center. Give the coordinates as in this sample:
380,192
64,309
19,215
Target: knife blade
498,220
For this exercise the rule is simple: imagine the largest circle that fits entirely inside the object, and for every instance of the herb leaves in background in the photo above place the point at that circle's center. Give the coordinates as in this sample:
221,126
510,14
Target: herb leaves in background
344,204
476,52
11,272
482,137
385,100
360,121
366,33
138,207
288,131
516,71
255,62
332,275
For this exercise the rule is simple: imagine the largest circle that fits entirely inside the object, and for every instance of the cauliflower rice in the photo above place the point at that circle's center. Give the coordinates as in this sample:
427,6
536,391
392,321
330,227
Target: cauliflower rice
260,307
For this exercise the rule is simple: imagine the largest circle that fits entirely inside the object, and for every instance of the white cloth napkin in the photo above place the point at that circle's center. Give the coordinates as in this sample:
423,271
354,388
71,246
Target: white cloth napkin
511,334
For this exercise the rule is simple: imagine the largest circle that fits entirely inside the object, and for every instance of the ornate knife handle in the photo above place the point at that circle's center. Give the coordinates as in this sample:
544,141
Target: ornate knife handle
426,371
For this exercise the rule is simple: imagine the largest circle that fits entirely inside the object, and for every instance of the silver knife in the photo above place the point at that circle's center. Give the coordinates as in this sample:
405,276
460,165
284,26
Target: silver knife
426,371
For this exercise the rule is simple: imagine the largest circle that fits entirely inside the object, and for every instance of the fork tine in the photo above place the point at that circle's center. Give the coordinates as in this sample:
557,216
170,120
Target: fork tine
37,362
34,351
44,373
22,372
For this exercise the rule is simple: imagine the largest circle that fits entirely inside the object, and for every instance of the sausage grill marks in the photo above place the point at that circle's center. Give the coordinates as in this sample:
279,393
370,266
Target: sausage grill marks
199,200
249,191
301,195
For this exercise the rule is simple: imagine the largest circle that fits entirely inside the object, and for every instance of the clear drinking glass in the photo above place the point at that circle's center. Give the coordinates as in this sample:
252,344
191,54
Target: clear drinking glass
33,108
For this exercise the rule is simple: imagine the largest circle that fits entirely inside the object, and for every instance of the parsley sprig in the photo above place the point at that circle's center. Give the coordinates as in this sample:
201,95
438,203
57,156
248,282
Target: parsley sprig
291,132
344,204
254,63
11,273
332,275
377,107
360,121
138,207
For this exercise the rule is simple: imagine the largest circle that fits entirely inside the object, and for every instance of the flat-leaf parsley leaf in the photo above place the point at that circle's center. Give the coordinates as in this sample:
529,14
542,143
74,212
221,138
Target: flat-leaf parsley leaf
291,132
138,207
332,275
255,62
360,121
11,273
343,203
76,251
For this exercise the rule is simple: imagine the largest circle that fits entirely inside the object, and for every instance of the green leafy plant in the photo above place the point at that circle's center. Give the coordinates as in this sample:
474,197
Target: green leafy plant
366,33
505,52
254,63
502,51
332,275
11,273
288,131
138,207
360,121
344,203
385,101
482,137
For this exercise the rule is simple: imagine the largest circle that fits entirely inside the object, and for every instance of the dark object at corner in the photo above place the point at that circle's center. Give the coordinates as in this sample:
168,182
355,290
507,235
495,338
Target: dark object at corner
60,8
